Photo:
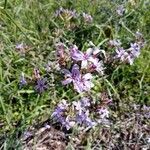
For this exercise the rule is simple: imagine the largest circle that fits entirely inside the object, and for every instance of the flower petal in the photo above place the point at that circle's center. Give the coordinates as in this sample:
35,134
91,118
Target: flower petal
87,76
67,81
84,64
75,72
89,51
66,72
78,86
77,55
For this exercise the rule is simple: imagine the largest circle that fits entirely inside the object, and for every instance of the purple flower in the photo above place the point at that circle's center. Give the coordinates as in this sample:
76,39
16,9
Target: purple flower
115,43
90,123
81,83
121,54
83,57
87,18
103,112
20,46
81,117
86,83
72,76
135,49
59,111
60,50
85,102
41,85
78,106
97,66
22,80
68,123
58,114
65,13
120,10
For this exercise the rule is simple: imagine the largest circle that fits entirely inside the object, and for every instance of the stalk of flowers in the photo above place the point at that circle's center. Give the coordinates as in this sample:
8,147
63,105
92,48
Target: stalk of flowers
78,113
130,54
62,54
41,85
114,43
89,63
120,10
88,59
22,81
87,18
66,14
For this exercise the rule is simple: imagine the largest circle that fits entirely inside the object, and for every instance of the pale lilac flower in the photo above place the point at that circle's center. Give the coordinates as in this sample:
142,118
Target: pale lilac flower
78,106
41,85
135,49
81,105
22,80
90,123
81,83
86,82
97,66
63,105
115,43
60,50
73,76
85,102
120,10
82,117
133,52
87,18
68,14
103,112
84,57
20,46
69,123
59,111
130,59
121,54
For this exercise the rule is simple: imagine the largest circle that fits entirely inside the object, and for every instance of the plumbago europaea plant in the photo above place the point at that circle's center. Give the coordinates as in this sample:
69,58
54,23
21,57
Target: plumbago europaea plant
85,65
79,68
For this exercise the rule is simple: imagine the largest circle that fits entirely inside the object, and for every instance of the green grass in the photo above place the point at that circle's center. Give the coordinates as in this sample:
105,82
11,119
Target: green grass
33,23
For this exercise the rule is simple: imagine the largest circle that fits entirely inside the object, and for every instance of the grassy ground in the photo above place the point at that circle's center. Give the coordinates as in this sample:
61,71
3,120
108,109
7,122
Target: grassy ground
34,24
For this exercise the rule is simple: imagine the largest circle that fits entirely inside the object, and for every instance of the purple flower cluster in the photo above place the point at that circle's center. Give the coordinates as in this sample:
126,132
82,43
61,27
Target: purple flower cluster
66,14
59,115
78,114
127,55
83,64
41,85
81,82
